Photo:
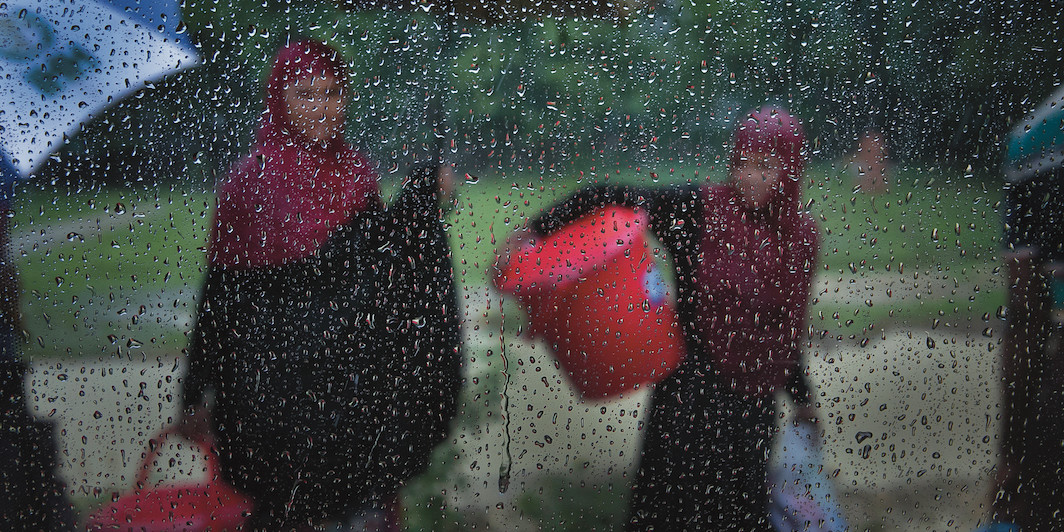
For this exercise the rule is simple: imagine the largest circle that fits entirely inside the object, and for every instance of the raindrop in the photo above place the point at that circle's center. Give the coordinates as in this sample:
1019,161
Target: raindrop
504,481
863,435
930,343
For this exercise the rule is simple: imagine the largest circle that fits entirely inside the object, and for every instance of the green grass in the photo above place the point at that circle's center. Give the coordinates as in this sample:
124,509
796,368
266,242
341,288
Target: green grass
129,290
931,230
925,220
111,271
92,290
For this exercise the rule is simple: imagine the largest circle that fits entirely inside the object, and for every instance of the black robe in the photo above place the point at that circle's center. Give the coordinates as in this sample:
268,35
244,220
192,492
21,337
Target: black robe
336,375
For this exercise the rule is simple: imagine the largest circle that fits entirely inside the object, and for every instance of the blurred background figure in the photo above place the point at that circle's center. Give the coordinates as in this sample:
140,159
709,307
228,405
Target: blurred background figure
871,164
32,497
328,328
1031,463
744,254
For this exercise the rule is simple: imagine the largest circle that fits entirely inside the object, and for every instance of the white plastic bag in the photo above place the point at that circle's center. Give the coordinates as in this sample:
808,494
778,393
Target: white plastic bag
802,496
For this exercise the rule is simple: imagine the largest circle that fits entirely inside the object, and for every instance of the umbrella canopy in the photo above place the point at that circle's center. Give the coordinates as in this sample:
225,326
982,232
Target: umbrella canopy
1036,145
63,61
497,12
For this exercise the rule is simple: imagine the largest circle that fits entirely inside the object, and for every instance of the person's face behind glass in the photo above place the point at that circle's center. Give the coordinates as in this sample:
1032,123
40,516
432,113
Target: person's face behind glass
757,177
315,107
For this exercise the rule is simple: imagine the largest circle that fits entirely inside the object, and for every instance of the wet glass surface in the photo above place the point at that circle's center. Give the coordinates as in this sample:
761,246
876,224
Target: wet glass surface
930,156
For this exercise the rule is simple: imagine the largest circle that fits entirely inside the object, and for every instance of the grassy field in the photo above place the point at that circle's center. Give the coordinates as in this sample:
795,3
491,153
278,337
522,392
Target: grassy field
928,231
109,272
116,271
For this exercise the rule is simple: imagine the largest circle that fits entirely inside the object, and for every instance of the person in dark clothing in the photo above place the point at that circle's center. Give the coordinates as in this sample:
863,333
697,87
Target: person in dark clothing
32,495
744,254
1031,465
328,327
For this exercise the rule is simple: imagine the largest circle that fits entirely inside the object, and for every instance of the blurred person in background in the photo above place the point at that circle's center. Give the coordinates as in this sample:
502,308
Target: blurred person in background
744,254
1031,463
326,348
32,497
871,162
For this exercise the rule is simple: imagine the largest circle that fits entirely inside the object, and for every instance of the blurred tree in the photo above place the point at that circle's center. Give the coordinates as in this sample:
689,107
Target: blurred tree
943,81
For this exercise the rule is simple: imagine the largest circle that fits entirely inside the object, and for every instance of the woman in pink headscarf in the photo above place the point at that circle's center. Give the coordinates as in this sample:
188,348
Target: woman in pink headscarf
328,328
744,254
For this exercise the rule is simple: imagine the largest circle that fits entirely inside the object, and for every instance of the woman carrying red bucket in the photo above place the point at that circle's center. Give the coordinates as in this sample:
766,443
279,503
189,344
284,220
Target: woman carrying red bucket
595,293
744,254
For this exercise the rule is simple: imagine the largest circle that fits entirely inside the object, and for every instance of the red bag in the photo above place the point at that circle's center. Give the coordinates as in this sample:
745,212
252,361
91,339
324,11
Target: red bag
177,505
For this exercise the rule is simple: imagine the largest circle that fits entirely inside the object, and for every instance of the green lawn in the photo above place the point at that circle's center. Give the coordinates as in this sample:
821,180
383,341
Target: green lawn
117,271
112,271
929,231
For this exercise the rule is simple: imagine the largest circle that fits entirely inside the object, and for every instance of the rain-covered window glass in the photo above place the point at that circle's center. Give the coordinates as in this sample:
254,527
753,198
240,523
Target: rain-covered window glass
611,265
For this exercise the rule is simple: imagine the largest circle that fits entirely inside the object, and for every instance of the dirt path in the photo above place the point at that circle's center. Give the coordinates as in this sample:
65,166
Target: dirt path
909,423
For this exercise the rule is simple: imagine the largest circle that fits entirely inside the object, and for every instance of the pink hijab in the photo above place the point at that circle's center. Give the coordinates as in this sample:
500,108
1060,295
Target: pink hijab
282,201
757,265
773,129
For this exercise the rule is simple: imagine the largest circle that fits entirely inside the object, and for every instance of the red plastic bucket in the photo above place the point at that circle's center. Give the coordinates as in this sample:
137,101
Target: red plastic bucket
594,291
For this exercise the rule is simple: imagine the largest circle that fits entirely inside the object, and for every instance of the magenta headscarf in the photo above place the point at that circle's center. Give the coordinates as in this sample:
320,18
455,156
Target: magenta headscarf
282,201
773,129
757,265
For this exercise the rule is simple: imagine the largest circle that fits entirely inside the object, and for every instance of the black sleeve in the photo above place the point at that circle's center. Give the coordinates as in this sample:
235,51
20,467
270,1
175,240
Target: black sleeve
587,200
206,339
423,336
674,211
417,205
420,251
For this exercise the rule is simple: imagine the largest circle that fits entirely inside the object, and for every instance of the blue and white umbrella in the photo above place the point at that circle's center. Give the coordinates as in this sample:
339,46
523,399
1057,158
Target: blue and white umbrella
64,61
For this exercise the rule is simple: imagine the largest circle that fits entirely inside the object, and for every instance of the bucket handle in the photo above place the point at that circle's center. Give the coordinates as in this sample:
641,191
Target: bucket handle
155,446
